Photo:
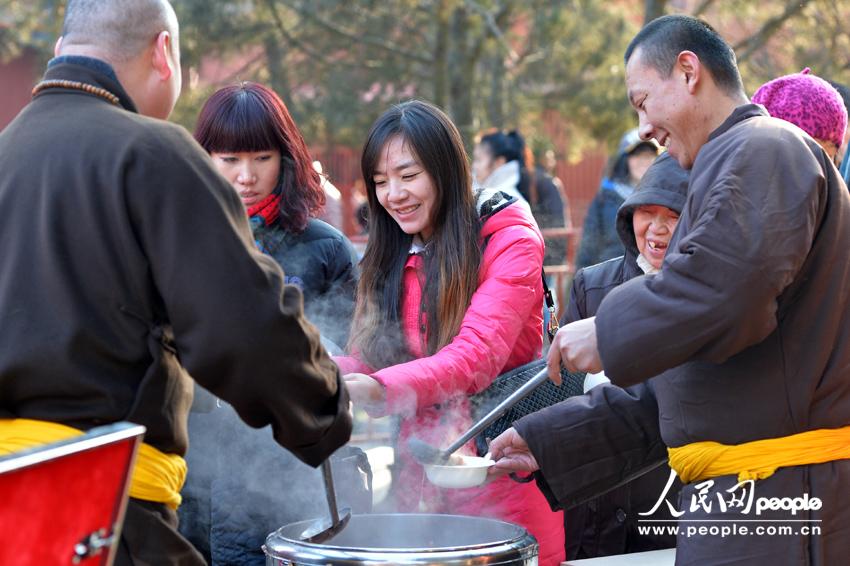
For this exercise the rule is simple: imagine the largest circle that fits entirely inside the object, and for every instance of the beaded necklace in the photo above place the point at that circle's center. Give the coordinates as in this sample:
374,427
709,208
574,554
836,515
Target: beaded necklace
75,85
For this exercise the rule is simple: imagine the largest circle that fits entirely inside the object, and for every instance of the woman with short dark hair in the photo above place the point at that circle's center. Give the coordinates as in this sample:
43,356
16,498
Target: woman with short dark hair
230,500
255,144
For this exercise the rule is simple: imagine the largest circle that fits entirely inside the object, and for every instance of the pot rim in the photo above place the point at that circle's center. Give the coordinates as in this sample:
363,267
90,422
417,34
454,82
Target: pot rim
520,546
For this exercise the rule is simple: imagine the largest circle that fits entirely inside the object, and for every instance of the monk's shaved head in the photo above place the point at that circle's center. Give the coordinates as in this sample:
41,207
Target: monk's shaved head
137,38
121,29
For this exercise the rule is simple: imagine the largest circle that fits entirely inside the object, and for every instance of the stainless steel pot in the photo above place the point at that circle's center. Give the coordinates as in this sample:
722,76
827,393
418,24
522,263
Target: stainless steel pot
407,539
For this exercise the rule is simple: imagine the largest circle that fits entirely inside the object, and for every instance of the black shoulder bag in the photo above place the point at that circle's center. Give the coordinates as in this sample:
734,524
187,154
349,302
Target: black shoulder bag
543,396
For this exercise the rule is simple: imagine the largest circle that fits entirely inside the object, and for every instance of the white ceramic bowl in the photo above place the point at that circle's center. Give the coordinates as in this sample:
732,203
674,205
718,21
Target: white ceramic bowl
472,472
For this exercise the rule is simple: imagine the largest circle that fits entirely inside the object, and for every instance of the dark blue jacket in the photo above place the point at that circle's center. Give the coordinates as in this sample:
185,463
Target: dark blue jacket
599,239
323,264
548,210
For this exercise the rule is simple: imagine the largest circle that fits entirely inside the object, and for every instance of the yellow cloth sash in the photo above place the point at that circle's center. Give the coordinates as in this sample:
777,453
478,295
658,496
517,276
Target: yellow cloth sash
759,459
157,476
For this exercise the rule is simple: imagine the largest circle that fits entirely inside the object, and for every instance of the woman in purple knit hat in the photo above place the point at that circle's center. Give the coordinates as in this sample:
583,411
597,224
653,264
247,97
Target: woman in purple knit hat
810,103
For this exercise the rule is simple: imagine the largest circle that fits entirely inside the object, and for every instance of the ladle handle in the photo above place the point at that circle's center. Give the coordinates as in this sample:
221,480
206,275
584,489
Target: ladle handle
330,492
498,411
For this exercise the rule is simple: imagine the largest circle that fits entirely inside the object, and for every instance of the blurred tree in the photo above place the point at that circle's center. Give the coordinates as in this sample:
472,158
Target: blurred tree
508,63
653,9
34,24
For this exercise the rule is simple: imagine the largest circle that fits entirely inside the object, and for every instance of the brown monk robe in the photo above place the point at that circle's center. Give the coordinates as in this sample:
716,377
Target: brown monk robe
746,326
128,268
761,368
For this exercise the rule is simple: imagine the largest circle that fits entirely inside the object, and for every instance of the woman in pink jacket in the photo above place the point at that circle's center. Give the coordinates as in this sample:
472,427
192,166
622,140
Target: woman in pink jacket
449,298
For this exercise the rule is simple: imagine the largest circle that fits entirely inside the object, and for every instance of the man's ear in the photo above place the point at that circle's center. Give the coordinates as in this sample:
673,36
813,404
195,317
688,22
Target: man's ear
691,68
161,58
57,47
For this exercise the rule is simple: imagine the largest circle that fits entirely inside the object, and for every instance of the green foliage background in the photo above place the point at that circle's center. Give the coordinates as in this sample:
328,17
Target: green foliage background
506,63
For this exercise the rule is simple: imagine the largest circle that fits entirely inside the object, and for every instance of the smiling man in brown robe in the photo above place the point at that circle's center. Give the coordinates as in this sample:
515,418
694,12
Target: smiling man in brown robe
127,266
746,328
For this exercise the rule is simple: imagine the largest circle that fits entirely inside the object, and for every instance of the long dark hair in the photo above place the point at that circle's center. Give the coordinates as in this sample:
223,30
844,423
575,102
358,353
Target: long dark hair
452,255
252,117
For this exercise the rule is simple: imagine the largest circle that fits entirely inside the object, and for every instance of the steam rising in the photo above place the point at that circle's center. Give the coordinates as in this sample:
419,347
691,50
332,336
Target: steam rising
242,485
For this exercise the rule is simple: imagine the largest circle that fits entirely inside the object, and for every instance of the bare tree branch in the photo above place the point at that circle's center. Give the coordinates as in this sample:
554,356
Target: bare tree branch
493,26
244,68
390,48
290,38
748,46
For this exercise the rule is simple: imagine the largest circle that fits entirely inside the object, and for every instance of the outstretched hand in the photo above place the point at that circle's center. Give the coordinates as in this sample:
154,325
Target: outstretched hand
365,391
511,454
575,348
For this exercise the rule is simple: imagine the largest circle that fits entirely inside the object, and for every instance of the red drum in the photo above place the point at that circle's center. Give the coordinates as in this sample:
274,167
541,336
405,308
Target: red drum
63,503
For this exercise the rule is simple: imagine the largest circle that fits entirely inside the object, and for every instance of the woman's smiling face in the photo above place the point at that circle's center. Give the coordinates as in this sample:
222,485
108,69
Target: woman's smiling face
405,189
653,225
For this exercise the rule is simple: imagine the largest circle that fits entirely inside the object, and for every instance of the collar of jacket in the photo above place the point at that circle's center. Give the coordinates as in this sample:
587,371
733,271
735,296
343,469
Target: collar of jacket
741,113
504,178
91,62
501,211
645,266
72,69
270,239
490,201
417,248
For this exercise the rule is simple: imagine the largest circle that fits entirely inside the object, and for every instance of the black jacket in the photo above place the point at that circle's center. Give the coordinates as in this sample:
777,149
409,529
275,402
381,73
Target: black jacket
591,284
608,524
323,264
547,207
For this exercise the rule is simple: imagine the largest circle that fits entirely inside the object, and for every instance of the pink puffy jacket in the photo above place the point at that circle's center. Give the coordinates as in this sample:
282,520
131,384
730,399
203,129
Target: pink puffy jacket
502,329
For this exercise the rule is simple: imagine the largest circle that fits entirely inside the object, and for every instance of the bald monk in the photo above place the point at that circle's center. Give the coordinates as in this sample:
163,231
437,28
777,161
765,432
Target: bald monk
128,268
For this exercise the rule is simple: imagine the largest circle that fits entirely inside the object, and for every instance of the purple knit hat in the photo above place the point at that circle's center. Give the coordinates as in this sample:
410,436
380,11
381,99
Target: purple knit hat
808,102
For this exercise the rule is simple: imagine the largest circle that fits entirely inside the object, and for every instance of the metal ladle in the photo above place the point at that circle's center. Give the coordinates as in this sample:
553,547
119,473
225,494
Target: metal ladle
326,528
427,454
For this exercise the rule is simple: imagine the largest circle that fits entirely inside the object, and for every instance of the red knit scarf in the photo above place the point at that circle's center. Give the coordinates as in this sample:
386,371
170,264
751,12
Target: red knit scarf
268,209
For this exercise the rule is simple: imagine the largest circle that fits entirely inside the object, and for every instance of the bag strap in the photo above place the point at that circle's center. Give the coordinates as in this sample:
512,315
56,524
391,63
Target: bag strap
521,479
553,326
